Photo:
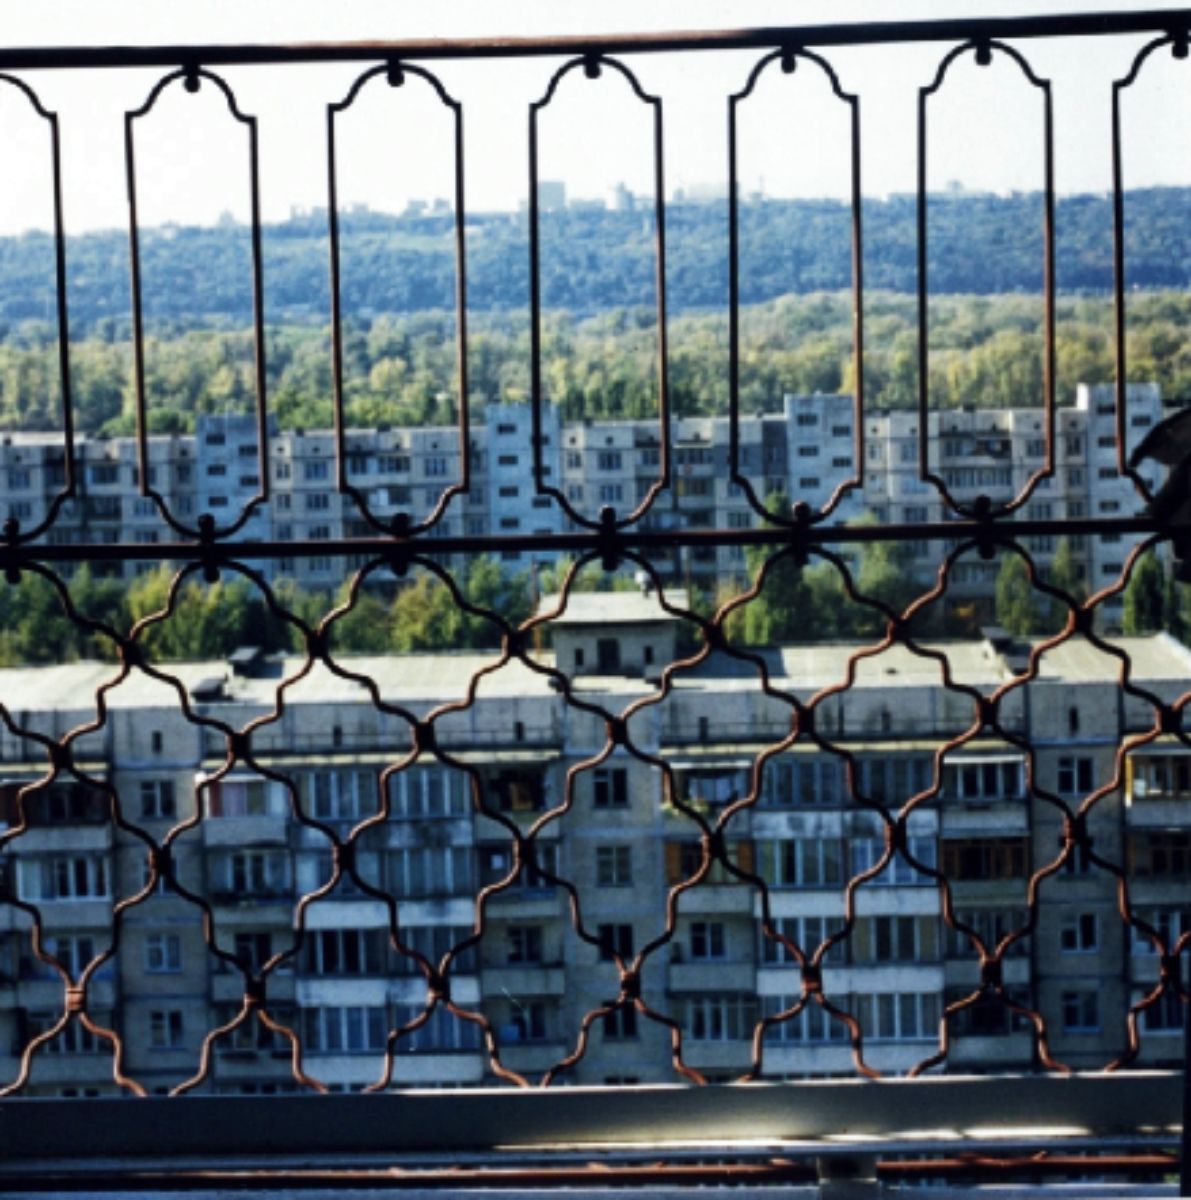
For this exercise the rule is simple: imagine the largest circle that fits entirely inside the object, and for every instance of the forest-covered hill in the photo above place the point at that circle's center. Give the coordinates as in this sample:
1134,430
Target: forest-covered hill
595,259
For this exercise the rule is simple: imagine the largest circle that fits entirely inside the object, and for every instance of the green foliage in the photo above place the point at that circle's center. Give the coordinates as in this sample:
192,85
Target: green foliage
401,370
210,620
595,260
1020,609
1145,597
808,603
1062,573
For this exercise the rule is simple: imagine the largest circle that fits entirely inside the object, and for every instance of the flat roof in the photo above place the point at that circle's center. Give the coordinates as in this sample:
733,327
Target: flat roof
618,608
435,678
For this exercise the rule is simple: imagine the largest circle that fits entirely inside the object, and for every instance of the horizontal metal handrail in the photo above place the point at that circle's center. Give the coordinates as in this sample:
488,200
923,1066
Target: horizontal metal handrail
866,33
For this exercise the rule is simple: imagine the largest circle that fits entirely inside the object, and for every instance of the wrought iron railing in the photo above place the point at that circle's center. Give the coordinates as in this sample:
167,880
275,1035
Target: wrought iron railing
524,822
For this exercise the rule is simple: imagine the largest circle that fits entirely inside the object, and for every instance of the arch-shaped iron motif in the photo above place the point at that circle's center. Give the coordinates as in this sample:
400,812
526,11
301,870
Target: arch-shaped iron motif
788,59
206,528
983,507
1178,48
401,524
593,66
13,534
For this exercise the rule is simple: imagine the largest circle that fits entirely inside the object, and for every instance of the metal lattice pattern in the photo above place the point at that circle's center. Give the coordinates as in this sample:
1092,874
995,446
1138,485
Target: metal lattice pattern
608,540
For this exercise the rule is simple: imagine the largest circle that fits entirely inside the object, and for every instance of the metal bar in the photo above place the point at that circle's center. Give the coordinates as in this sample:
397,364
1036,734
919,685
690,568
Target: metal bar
835,34
599,1174
589,542
1185,1145
836,1115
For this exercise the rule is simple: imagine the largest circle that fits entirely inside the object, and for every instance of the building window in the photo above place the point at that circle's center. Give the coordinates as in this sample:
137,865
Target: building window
517,790
898,1016
318,500
712,789
76,1038
435,467
418,871
991,926
73,877
614,866
866,852
528,1022
1167,852
723,1017
259,872
1075,775
165,1029
253,950
983,781
610,787
163,953
244,797
707,940
418,792
803,780
1161,777
524,943
812,1024
157,798
345,952
801,862
342,795
807,933
609,460
615,941
895,939
1170,924
1079,933
73,950
985,858
1081,1012
346,1029
1166,1015
620,1024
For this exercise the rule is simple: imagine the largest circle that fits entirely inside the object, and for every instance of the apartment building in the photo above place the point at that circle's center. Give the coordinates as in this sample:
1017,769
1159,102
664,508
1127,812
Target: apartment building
253,825
806,452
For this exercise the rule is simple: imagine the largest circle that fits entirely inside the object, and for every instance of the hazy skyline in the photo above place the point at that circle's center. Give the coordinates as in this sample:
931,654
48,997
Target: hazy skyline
985,126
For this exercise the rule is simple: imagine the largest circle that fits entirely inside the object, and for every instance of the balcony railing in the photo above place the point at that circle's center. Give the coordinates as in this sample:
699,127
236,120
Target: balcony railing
1068,870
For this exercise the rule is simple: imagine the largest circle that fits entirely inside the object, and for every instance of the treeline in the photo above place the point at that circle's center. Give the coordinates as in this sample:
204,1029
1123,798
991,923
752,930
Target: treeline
596,259
210,620
798,603
985,351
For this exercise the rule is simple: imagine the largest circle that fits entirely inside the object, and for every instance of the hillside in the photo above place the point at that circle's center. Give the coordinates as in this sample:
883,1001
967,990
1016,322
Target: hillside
594,259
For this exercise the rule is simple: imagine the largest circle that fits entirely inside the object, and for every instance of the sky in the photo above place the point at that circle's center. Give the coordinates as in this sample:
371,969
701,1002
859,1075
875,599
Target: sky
393,144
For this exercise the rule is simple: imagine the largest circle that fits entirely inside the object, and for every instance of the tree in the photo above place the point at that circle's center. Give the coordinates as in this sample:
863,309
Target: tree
424,616
1145,597
363,629
1063,573
884,572
1020,609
